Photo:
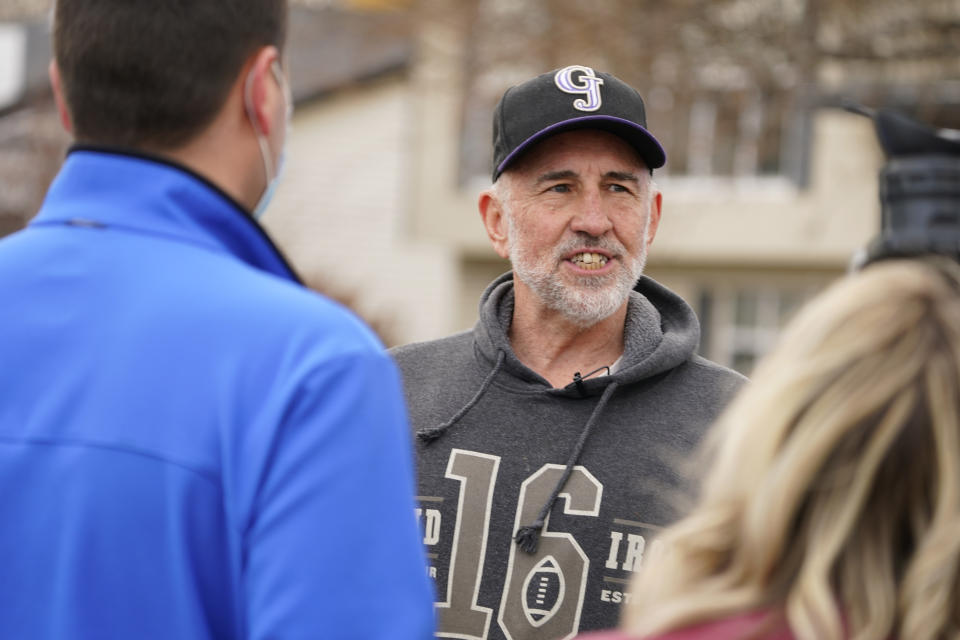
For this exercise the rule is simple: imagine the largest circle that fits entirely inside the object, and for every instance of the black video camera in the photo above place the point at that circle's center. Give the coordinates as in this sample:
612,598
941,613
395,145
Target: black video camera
919,189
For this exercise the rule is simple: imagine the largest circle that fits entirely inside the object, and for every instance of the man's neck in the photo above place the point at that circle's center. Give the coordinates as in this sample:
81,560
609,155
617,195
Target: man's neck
227,174
225,156
551,345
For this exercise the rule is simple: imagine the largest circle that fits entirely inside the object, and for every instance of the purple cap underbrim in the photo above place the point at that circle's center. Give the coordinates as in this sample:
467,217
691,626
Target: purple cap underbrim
652,153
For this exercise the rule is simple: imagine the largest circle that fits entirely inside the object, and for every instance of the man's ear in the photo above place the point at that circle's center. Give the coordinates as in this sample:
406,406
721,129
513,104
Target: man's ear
656,202
261,94
54,72
495,222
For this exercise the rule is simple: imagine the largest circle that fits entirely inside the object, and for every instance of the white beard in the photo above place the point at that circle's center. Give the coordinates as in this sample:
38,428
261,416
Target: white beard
589,299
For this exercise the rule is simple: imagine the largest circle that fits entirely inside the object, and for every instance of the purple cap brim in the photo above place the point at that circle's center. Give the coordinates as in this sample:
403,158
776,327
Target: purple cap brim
652,152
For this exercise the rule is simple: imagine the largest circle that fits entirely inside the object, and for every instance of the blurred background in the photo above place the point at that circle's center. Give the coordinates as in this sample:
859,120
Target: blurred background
769,189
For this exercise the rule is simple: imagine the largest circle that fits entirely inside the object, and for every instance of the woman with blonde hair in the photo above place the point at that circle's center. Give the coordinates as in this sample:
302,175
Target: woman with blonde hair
831,505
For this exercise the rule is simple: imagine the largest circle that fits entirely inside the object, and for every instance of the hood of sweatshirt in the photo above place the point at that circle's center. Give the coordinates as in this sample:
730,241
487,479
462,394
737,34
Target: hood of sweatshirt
661,332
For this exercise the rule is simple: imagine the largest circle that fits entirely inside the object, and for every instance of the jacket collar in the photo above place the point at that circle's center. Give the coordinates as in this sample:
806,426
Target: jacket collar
141,193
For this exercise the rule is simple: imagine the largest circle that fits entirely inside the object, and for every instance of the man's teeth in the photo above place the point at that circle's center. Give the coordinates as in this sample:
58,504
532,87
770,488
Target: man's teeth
589,261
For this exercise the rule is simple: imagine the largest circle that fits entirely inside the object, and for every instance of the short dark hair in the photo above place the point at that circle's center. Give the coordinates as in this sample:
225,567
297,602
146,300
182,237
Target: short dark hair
154,73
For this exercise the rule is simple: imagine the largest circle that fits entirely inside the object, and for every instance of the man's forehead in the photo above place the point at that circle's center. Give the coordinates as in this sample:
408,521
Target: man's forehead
577,152
570,174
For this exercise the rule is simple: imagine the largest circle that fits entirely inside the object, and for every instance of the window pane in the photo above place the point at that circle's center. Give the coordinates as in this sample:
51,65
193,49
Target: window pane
705,314
743,362
790,302
771,150
746,310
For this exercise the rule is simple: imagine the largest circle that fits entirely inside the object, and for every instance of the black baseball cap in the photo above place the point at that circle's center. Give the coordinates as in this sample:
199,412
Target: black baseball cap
574,97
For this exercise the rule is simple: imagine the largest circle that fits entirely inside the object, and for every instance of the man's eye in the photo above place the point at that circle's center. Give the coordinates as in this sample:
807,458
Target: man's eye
560,188
619,188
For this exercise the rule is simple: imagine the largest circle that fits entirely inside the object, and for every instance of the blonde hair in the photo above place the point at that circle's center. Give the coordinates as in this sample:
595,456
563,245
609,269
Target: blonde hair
833,491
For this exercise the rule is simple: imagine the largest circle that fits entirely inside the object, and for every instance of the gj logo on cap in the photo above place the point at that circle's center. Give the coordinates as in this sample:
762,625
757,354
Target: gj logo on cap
589,85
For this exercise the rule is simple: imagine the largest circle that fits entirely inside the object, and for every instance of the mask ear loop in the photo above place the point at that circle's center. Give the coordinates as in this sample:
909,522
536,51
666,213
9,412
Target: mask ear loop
261,138
285,87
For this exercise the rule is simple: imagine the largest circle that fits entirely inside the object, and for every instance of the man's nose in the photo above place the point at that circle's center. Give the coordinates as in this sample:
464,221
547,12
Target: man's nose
591,216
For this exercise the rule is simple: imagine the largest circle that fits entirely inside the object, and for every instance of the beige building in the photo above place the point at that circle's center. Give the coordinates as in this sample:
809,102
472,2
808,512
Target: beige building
341,212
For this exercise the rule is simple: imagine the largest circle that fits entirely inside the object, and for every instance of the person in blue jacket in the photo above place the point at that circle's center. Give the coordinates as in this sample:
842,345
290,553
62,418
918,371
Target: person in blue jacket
192,444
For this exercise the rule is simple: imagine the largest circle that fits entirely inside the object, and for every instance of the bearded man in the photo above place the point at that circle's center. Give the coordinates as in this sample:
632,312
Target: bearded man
580,380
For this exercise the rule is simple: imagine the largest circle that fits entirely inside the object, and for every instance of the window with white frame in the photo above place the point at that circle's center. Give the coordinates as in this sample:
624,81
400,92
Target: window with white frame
739,324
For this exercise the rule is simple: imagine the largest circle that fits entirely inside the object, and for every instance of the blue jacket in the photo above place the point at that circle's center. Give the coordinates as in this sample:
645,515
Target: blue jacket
192,445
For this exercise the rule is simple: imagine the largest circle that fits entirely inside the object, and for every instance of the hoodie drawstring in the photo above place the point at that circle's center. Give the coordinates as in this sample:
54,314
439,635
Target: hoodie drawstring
528,537
429,434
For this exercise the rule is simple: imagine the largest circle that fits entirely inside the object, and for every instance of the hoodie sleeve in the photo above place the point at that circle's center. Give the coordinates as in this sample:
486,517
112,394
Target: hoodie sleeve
333,548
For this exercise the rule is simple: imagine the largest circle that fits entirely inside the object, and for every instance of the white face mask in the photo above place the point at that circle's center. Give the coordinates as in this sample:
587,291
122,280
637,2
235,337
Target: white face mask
272,173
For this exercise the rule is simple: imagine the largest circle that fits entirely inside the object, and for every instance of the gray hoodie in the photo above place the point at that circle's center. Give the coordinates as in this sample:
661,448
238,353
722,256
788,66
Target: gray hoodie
537,504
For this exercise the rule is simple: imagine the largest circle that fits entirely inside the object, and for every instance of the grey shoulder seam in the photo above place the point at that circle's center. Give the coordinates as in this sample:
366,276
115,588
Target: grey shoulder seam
410,346
704,363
